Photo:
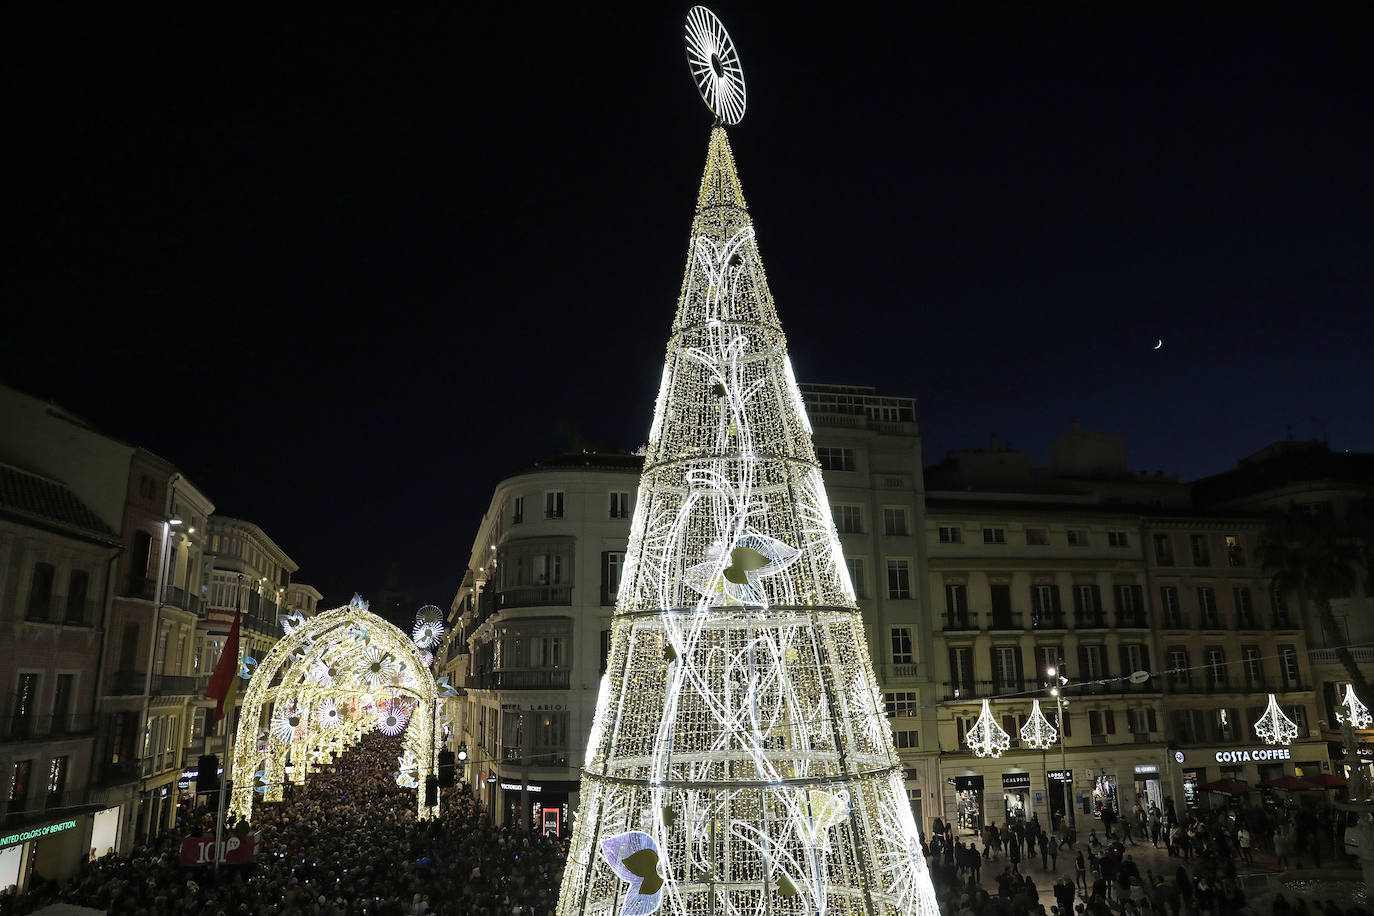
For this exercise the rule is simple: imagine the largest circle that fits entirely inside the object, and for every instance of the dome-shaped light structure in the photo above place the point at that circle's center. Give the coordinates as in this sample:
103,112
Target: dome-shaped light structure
1038,734
986,738
1274,727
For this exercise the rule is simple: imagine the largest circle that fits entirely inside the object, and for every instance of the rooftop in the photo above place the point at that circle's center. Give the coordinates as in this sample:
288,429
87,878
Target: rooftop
29,497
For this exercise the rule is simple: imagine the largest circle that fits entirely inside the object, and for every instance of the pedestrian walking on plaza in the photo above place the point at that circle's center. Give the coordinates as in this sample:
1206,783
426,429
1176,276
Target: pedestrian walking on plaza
1014,857
1080,873
1054,855
1155,825
1281,845
1045,845
1064,892
1065,832
1243,841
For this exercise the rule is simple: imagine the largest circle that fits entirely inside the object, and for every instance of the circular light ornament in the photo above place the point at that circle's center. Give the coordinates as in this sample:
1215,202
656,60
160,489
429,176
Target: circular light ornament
377,667
329,714
715,65
428,633
285,723
391,718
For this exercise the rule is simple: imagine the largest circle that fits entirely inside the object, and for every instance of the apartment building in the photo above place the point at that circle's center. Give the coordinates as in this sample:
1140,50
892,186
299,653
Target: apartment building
56,560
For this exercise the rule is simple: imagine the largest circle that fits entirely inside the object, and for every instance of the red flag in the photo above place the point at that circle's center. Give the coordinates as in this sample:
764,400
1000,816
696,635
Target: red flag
224,683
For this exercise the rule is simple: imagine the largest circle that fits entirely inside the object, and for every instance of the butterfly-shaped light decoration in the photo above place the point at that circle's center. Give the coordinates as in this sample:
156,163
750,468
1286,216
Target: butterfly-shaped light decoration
407,780
634,857
285,723
358,602
291,622
391,718
446,688
732,577
359,633
826,810
328,714
247,667
376,666
260,782
323,674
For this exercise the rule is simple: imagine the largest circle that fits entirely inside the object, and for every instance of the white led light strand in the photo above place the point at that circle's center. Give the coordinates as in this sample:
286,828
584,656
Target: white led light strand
986,738
1038,734
1274,727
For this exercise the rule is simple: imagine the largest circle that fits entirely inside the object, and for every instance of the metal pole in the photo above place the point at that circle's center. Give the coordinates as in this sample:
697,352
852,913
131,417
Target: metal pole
219,825
1064,764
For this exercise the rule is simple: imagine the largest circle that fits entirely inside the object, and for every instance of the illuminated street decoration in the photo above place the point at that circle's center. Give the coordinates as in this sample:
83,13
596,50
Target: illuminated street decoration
429,627
986,738
1357,712
391,718
317,692
1274,727
739,761
715,66
1038,734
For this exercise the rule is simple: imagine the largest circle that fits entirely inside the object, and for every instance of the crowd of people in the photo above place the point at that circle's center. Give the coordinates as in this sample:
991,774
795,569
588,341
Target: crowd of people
1199,875
348,844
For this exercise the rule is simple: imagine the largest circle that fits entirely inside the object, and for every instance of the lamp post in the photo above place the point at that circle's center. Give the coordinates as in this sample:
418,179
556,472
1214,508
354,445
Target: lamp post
1054,675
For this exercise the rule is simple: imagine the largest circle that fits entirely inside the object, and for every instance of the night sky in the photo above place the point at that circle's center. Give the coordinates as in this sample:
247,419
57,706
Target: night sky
347,273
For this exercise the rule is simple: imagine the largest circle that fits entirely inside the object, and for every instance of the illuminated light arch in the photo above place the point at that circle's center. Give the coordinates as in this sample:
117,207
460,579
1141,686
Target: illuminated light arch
319,690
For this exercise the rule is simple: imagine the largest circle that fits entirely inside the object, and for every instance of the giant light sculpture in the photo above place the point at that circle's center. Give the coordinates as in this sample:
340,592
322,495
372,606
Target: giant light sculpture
739,760
326,683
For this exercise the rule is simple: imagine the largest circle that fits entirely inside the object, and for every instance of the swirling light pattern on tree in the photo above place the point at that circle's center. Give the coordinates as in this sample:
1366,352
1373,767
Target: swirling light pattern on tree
320,677
1274,727
737,740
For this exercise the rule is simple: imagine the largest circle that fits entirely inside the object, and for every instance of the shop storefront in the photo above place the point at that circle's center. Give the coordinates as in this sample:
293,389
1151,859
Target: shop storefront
549,806
1016,796
968,803
1060,794
1148,789
1249,764
53,849
1104,796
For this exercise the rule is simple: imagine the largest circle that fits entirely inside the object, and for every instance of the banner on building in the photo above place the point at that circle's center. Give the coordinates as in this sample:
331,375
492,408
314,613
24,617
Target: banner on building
200,850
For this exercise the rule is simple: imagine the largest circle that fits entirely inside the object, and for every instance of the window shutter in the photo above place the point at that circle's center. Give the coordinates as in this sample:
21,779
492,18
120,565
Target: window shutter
1145,657
1054,599
953,671
1077,600
1097,599
1068,725
1130,721
1125,660
606,597
1332,703
1020,670
1138,596
1036,609
1094,722
1082,661
996,669
1111,722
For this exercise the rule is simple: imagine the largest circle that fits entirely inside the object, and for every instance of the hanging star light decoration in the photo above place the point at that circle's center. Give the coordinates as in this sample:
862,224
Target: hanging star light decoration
986,738
1274,727
1038,734
1358,712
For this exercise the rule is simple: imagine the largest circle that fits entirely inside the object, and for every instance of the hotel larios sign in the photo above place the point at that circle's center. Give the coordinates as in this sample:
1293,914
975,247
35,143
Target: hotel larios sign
1255,755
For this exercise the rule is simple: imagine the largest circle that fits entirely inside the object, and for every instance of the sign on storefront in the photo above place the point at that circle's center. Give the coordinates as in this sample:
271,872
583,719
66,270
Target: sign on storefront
1016,780
200,850
1258,754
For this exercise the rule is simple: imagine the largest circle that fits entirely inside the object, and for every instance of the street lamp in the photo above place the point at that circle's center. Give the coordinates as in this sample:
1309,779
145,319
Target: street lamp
1054,675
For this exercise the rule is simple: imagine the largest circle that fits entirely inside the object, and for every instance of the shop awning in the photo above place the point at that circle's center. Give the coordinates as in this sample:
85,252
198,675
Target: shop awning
1291,783
1328,781
1227,787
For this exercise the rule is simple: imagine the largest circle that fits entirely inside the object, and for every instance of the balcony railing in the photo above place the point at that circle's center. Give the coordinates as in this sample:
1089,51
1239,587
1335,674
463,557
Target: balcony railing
1212,622
128,683
1328,656
1047,622
170,685
1285,622
117,774
182,598
531,679
1005,620
1176,621
536,596
899,670
960,690
1090,620
18,728
1248,622
1116,685
966,621
1131,621
140,587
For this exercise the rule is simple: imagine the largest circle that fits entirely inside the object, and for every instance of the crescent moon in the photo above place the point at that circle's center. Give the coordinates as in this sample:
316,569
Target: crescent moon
1158,343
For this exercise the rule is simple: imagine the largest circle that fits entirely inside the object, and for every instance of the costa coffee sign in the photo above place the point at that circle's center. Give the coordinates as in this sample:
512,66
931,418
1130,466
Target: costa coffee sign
1259,754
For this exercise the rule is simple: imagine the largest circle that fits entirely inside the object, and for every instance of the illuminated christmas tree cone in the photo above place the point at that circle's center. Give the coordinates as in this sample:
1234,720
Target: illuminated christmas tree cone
739,760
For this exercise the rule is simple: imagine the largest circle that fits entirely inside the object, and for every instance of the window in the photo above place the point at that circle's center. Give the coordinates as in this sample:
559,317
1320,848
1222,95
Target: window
1038,537
1253,664
605,649
1130,605
40,591
961,671
612,565
1142,721
907,740
553,504
1164,550
1207,606
517,510
57,780
19,784
1091,662
901,704
62,694
1118,539
855,565
898,579
1006,665
1288,664
950,535
146,488
1299,716
1201,555
1047,657
77,586
620,504
956,600
835,459
1087,600
1101,722
198,718
1245,608
1235,552
902,651
894,521
1134,657
994,535
848,520
1078,537
1168,601
1179,673
25,703
1044,602
1216,666
1227,724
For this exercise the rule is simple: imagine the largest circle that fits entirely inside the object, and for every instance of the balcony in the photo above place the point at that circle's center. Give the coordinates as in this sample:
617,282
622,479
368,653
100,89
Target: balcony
1099,739
1090,620
527,679
1176,621
1248,622
1116,686
21,728
1131,621
171,685
1328,656
960,690
1005,620
955,623
1285,622
116,774
182,598
536,596
898,671
140,587
1212,621
1013,686
1048,622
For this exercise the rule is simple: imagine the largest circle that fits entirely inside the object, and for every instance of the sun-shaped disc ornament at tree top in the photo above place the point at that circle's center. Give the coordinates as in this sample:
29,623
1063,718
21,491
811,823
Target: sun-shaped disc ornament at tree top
715,65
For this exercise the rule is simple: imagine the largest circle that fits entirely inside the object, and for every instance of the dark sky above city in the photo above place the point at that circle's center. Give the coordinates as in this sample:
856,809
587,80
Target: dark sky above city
348,272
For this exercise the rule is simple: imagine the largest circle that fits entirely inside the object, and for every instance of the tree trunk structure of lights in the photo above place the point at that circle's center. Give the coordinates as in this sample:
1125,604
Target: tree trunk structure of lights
326,683
739,759
986,738
1355,710
1038,734
1274,727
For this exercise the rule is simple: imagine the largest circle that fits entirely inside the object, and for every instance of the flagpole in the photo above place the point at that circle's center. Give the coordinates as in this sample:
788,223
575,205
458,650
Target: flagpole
228,741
